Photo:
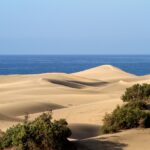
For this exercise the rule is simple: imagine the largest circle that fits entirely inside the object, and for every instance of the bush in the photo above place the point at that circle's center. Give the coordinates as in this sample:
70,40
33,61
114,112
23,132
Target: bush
133,114
137,104
137,92
125,118
39,134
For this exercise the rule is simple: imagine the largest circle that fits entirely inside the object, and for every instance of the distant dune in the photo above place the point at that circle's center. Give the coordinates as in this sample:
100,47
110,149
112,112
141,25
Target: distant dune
81,98
105,72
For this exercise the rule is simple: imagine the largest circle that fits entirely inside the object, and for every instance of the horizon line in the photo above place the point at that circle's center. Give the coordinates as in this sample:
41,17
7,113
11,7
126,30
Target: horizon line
79,54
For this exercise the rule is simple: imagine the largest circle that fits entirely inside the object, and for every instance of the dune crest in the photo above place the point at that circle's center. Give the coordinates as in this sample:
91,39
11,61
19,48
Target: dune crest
105,72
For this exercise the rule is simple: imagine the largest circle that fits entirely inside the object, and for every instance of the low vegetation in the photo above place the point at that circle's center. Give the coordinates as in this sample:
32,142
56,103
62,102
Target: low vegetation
42,133
132,114
137,92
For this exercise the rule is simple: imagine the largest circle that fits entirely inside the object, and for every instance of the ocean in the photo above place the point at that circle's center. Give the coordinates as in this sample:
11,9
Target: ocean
33,64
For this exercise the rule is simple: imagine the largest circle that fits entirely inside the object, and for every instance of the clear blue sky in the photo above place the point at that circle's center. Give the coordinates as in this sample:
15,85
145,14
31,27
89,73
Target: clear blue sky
74,26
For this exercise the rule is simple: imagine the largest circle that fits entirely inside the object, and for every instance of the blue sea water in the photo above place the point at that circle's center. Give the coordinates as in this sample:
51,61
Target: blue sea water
32,64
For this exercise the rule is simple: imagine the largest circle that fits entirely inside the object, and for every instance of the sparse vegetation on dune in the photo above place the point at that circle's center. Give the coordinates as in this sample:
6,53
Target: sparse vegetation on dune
137,92
133,114
125,118
42,133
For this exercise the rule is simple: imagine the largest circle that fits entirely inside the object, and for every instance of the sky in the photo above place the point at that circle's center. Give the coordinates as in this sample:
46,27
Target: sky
75,27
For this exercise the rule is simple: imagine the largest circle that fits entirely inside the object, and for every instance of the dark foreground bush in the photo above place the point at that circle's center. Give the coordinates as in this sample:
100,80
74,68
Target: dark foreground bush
40,134
137,92
125,118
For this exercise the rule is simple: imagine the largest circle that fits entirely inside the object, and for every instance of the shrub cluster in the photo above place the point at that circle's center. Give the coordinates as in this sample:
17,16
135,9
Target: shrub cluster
125,118
42,133
133,114
137,104
137,92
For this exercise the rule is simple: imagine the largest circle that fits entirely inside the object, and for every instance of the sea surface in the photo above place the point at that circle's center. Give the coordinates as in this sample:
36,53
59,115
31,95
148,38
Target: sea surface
32,64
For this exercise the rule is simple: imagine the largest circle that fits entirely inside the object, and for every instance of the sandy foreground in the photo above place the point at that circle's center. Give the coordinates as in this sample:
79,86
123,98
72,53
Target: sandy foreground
81,98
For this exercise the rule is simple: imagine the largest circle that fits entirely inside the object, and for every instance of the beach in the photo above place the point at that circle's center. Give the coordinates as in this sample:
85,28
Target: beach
82,98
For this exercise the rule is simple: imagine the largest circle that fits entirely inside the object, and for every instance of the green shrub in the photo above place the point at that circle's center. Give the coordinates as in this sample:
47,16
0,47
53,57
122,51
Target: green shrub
137,104
125,118
133,114
137,92
42,133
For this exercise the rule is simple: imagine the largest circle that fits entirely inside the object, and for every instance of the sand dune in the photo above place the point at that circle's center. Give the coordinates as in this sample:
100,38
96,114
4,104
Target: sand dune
135,139
105,72
81,98
21,108
9,118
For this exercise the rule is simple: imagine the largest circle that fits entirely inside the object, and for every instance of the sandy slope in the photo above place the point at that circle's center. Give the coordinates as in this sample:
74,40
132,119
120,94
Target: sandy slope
105,72
136,139
81,98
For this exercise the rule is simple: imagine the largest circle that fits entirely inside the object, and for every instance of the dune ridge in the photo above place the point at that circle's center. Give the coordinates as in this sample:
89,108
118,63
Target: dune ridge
81,98
105,72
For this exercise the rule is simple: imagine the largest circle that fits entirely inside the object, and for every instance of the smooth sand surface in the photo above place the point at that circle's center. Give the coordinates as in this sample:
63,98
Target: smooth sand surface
81,98
135,139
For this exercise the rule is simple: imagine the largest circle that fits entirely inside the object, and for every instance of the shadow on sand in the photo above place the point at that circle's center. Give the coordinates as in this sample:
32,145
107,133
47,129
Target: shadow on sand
99,144
84,131
86,138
